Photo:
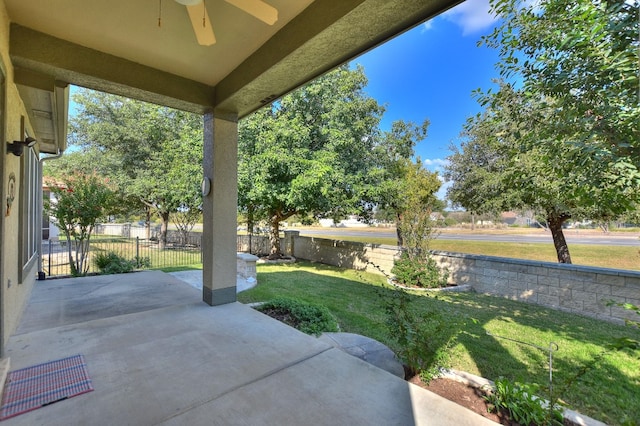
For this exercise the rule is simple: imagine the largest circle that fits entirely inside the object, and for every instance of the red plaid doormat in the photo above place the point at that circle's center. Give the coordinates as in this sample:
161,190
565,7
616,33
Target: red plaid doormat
34,387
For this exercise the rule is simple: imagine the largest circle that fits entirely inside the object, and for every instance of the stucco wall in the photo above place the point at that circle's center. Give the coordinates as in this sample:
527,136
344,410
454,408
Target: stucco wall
13,294
573,288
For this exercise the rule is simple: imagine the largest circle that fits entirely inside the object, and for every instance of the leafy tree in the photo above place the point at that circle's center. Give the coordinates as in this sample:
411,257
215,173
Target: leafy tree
90,160
310,152
417,193
416,190
583,56
153,153
566,141
80,201
499,167
394,167
184,182
630,217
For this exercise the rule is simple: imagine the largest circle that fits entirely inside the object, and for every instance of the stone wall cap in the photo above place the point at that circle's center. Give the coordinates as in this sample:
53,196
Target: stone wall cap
247,257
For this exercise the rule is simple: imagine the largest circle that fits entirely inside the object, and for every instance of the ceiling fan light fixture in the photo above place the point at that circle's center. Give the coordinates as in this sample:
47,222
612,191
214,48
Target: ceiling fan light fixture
201,24
189,2
258,9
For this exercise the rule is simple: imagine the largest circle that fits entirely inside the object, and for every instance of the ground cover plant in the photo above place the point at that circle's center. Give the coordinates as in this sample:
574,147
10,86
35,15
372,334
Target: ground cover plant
522,403
112,263
607,390
306,317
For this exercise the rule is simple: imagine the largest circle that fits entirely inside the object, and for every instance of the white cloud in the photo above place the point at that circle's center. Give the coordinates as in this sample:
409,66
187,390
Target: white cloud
427,25
436,163
471,15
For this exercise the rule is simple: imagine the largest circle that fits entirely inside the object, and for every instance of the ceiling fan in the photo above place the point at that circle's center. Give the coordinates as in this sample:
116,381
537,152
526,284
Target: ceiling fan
202,24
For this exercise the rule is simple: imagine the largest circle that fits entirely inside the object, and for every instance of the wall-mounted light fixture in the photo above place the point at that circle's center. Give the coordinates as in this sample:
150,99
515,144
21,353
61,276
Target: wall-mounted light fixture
17,147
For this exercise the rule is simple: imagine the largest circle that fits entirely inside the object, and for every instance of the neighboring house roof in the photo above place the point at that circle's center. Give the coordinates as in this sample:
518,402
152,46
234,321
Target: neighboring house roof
49,182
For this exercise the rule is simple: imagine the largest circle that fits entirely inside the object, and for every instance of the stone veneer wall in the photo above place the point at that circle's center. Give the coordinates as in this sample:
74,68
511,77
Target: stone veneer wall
579,289
246,265
345,254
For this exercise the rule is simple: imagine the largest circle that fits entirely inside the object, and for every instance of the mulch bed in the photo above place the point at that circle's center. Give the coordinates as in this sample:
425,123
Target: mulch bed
467,396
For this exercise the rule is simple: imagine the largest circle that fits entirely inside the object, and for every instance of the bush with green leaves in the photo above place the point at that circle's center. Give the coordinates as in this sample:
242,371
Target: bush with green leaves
80,200
519,400
306,317
424,338
112,263
416,228
140,262
418,271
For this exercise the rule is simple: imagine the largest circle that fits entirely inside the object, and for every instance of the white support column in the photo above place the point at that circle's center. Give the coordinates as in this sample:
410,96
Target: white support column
219,210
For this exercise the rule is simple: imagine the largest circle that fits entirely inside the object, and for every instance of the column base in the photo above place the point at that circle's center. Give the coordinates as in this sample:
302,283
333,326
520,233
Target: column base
220,296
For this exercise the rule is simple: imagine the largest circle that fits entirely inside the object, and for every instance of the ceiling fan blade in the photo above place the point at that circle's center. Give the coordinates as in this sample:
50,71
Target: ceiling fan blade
203,30
257,8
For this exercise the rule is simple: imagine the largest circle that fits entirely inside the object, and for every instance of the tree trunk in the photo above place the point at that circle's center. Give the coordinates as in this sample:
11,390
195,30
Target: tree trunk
274,238
72,264
147,223
555,221
164,226
399,236
274,234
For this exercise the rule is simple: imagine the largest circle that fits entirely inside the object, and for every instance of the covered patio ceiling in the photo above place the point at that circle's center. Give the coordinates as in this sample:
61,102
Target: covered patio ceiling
119,47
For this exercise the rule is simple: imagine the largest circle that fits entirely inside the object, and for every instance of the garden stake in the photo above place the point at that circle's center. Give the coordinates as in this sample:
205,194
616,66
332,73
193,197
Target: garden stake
552,348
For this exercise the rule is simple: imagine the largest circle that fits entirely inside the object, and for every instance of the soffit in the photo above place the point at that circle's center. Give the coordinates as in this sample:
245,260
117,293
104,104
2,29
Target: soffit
129,29
116,46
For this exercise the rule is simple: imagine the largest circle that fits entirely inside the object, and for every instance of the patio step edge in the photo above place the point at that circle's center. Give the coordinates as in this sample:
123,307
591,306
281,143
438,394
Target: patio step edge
5,364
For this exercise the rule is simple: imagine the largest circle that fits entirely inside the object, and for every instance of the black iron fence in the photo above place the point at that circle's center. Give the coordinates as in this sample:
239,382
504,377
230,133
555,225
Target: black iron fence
126,242
146,254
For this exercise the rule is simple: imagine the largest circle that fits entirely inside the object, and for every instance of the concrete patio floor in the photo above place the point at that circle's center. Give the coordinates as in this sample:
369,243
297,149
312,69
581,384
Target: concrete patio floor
158,355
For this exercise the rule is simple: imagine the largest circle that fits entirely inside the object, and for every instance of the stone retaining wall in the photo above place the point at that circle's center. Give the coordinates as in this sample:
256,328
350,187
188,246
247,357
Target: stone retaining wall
579,289
345,254
246,266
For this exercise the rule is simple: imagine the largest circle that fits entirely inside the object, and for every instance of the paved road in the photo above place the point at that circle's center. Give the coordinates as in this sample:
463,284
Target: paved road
572,236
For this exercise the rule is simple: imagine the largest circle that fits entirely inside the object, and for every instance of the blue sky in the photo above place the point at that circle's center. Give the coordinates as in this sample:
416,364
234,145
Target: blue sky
430,72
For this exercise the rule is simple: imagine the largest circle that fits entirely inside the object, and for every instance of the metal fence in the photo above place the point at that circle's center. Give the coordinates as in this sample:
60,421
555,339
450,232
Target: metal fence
254,244
178,251
146,254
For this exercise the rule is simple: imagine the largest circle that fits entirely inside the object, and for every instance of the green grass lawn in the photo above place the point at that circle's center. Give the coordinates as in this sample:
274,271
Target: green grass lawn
609,391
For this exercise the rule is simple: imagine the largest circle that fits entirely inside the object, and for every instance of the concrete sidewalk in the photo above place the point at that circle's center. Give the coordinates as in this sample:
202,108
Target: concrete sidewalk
157,355
193,277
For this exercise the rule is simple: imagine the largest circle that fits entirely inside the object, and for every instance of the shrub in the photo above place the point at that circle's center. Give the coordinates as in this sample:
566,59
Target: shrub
140,262
521,403
423,338
112,263
306,317
450,221
418,271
